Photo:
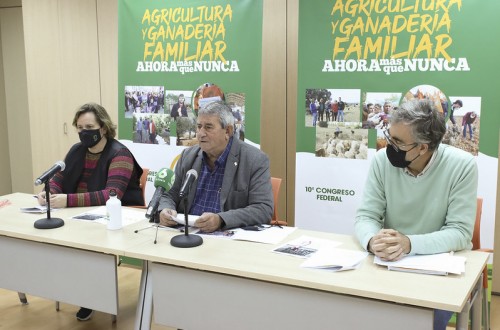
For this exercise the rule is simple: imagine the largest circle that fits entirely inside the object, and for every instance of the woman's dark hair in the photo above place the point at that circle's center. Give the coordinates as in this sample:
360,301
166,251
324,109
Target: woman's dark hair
101,115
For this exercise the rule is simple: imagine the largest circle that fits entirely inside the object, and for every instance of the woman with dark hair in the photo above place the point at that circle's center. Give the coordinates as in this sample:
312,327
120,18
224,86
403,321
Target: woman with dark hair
95,166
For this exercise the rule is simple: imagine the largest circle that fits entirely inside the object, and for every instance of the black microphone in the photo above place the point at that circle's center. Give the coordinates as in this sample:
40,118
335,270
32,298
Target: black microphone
58,166
164,180
191,176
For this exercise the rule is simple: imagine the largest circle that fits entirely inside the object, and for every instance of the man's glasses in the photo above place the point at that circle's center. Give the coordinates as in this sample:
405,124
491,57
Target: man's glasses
395,145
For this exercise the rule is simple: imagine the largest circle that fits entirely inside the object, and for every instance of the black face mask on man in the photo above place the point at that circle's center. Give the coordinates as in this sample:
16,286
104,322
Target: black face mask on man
398,157
90,137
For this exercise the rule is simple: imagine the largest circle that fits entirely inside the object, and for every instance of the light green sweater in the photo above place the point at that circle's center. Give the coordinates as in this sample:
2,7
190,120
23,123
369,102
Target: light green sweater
436,210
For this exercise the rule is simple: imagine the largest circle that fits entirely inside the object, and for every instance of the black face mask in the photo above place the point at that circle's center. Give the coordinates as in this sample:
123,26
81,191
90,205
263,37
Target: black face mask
398,158
90,137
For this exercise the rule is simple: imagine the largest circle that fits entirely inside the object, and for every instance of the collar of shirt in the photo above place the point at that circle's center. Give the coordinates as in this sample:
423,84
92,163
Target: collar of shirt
426,168
207,197
221,161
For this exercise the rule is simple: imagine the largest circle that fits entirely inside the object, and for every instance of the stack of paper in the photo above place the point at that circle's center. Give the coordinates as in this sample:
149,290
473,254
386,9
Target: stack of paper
434,264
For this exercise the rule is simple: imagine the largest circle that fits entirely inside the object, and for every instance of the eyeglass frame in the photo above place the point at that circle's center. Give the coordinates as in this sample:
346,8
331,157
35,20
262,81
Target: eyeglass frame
389,140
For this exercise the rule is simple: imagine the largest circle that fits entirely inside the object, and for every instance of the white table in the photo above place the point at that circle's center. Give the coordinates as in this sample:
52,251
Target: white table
225,284
75,263
221,284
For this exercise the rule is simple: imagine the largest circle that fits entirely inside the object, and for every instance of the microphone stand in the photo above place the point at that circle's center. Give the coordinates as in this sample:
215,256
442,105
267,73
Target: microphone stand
185,240
156,223
48,222
156,219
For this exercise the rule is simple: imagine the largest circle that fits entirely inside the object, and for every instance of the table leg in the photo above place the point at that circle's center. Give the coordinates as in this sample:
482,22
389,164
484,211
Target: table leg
144,310
477,306
474,304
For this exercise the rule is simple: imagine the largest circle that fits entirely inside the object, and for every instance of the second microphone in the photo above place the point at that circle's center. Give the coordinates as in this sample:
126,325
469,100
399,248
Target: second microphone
164,180
191,176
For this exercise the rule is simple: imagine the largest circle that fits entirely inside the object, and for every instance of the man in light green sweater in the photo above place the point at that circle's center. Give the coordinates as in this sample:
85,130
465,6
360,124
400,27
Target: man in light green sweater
420,195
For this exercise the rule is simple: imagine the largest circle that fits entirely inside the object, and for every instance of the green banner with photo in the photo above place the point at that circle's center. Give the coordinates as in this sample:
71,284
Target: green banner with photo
394,46
175,55
358,60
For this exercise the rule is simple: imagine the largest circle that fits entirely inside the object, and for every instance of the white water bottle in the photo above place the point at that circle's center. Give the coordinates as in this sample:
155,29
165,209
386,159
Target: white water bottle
114,210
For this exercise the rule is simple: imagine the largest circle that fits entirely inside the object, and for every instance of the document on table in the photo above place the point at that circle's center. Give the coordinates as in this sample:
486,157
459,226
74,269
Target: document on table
264,234
37,209
100,215
305,246
433,264
335,259
224,234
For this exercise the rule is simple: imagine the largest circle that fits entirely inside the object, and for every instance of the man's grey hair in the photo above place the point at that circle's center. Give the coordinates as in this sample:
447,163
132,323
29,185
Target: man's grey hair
427,124
219,109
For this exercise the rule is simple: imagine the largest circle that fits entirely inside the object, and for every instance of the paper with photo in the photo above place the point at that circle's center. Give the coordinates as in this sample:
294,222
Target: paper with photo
100,215
36,209
305,246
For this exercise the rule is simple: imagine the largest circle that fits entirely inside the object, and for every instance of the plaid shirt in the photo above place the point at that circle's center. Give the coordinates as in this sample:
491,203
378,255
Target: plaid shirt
207,198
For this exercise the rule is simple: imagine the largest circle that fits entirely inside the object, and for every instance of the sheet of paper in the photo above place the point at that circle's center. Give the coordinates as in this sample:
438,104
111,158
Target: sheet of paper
335,259
99,215
435,264
36,209
191,219
269,234
225,234
305,246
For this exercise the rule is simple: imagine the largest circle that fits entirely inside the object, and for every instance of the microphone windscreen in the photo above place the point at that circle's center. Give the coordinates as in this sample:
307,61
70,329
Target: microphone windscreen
193,173
61,164
165,178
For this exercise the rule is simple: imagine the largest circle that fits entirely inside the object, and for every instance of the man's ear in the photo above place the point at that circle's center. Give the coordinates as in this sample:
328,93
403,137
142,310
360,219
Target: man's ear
424,147
229,130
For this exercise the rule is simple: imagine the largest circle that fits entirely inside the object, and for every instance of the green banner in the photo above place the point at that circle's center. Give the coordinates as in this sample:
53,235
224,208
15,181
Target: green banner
358,60
174,55
393,46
